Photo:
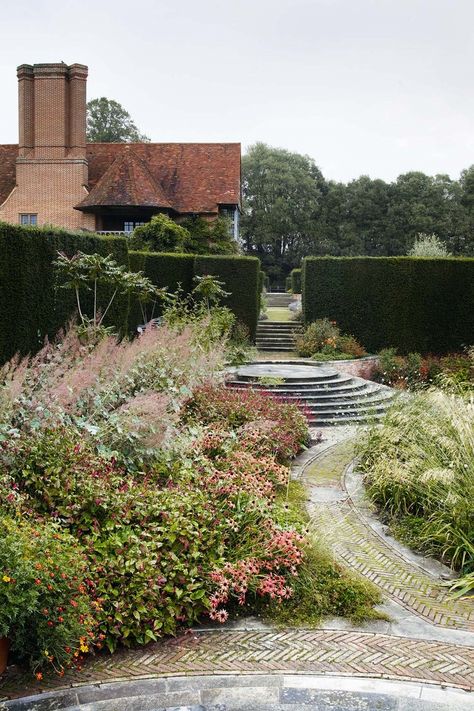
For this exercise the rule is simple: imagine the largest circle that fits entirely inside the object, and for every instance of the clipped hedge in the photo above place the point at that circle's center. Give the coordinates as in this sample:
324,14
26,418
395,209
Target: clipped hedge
32,306
410,303
241,278
295,275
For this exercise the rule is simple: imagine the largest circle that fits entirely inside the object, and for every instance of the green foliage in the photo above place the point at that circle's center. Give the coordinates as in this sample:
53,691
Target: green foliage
291,211
32,304
412,304
295,277
166,271
45,609
415,371
282,194
428,246
209,236
109,122
209,289
239,276
419,469
161,234
322,340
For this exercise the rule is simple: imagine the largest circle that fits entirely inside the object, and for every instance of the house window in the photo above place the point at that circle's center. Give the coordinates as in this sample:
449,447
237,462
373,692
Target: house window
28,218
232,215
130,226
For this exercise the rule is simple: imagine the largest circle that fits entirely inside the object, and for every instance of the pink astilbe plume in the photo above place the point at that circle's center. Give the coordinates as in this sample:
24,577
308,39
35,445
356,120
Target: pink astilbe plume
147,415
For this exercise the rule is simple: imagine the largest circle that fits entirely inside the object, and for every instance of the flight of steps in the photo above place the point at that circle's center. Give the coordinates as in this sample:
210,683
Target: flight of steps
277,335
327,397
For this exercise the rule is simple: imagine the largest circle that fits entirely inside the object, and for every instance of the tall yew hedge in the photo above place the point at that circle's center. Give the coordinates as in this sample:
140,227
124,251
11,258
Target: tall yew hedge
295,276
411,303
31,305
241,278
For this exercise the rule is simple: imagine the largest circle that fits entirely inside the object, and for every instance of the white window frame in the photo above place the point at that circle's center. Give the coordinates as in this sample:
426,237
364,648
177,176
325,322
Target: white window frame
31,219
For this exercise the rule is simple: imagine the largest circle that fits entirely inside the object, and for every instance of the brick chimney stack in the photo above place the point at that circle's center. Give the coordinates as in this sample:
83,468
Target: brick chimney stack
52,110
51,168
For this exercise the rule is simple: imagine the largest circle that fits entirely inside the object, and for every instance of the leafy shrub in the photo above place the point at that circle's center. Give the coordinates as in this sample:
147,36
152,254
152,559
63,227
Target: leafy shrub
240,277
161,234
414,371
426,245
322,340
419,469
45,606
286,425
209,236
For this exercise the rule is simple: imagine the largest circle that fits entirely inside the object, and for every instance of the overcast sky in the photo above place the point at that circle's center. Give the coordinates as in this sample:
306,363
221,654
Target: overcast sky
375,87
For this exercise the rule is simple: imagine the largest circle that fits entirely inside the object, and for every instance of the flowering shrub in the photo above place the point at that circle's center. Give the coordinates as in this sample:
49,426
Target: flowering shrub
138,533
415,371
45,605
266,424
322,340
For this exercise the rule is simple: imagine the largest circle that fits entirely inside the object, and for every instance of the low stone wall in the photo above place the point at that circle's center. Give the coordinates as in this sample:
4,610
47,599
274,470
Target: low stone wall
360,368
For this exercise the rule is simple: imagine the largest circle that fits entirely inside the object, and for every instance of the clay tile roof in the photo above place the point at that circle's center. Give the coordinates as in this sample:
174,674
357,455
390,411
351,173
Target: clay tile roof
127,182
195,177
8,156
188,177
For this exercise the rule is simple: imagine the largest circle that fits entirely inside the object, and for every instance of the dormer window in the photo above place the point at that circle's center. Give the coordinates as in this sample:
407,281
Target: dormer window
28,218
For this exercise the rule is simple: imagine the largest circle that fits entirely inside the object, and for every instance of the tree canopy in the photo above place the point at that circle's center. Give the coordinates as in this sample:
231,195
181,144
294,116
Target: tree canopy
109,122
282,194
291,211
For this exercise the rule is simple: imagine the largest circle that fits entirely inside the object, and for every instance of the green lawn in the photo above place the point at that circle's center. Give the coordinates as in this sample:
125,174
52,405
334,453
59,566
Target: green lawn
276,313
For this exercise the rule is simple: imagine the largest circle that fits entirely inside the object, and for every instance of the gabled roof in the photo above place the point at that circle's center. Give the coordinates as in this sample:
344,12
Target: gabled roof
193,177
126,183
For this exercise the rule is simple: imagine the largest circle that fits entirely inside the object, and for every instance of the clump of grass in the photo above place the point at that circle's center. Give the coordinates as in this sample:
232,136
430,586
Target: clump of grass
419,469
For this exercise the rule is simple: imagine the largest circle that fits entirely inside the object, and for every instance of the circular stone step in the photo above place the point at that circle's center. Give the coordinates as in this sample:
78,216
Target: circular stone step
299,373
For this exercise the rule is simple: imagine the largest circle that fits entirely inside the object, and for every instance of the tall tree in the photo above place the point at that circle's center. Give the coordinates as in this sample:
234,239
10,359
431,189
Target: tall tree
109,122
282,201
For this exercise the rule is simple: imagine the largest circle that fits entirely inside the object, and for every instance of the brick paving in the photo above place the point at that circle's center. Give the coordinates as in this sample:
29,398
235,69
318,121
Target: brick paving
275,652
338,524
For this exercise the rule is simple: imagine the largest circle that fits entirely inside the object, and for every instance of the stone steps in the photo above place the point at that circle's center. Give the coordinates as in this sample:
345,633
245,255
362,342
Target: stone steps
276,335
279,299
326,396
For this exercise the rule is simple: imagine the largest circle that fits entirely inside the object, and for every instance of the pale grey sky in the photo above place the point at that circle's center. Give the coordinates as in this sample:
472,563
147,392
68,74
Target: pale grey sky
375,87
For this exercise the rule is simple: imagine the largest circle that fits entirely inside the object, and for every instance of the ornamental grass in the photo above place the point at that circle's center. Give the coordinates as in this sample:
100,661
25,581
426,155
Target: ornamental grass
419,469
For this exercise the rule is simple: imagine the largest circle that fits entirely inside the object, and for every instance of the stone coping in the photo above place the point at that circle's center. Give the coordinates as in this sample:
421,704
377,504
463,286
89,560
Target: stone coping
308,692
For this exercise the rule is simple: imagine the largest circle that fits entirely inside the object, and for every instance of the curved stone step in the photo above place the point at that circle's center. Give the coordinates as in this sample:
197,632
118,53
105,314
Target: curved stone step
356,406
326,396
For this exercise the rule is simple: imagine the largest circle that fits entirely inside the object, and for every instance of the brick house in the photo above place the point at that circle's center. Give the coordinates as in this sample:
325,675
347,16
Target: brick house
53,176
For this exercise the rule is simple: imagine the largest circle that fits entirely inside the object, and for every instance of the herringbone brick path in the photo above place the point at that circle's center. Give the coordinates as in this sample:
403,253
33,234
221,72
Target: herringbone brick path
290,651
338,524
